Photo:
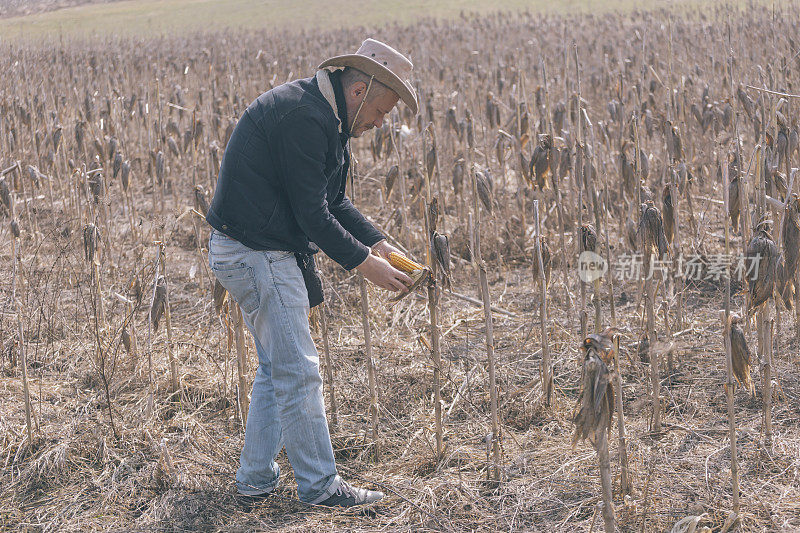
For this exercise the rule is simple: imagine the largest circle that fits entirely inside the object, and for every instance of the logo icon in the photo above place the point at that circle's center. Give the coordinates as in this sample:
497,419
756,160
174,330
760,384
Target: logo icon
591,266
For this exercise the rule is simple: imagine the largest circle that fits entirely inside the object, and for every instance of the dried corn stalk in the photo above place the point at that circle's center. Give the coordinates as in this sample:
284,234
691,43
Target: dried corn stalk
791,237
542,162
735,206
5,196
458,174
547,266
595,405
126,341
763,253
433,214
430,161
125,174
651,231
91,238
391,178
158,304
595,410
200,200
160,167
627,171
741,356
546,369
451,121
483,181
669,214
784,284
441,252
96,186
117,166
588,240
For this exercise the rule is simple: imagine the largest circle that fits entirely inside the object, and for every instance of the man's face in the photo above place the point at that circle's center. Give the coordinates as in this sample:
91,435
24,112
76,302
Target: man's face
372,113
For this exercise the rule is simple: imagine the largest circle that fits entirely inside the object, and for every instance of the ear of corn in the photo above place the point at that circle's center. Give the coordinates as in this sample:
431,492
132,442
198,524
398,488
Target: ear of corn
595,407
740,357
159,302
391,177
588,238
433,214
5,196
419,274
430,161
401,262
763,250
651,230
126,341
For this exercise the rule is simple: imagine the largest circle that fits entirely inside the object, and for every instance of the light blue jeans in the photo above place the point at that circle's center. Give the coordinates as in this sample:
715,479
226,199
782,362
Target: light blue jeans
286,406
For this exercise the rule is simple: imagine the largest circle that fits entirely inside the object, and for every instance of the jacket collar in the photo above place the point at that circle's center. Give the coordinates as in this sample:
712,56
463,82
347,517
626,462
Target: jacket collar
331,88
341,103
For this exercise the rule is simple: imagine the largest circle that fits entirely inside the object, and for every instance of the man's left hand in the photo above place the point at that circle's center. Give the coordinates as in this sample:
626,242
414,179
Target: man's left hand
383,249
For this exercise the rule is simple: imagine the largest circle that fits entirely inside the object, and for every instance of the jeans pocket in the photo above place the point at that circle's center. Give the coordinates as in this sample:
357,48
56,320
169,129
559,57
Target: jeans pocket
240,281
289,281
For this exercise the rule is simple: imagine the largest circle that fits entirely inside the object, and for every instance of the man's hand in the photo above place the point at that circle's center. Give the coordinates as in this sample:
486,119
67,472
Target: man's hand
383,249
381,273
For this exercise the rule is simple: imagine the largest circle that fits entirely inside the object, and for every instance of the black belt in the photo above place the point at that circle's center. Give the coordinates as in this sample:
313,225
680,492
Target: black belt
311,278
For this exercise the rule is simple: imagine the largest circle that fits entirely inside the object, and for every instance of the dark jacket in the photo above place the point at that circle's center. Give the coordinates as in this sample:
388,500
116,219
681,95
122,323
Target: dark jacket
282,180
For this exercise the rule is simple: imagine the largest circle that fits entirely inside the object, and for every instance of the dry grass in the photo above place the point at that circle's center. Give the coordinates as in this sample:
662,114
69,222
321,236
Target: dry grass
79,478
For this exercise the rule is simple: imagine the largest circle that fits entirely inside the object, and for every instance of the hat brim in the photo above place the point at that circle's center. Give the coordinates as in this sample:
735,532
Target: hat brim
371,67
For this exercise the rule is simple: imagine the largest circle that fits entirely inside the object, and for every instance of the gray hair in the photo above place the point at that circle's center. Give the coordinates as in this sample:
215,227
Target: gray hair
351,75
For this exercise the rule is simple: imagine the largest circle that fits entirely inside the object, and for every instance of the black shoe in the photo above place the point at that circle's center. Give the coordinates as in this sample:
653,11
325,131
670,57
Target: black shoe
248,501
349,496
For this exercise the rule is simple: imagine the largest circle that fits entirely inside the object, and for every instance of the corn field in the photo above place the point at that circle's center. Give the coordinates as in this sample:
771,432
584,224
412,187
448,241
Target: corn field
506,392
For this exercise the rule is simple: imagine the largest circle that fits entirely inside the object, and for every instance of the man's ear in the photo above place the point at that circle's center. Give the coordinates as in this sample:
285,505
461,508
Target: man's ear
358,88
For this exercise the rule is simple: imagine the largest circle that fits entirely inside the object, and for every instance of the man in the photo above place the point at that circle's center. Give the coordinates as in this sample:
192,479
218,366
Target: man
279,198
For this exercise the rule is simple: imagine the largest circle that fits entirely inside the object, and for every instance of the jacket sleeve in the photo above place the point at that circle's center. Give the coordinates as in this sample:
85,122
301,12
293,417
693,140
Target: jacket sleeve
354,222
301,146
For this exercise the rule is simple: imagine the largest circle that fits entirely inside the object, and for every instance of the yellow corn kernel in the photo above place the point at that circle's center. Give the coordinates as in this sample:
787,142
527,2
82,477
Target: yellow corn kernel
403,263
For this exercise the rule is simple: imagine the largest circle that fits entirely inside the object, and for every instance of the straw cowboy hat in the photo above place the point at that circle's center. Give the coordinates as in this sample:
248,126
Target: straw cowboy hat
386,64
